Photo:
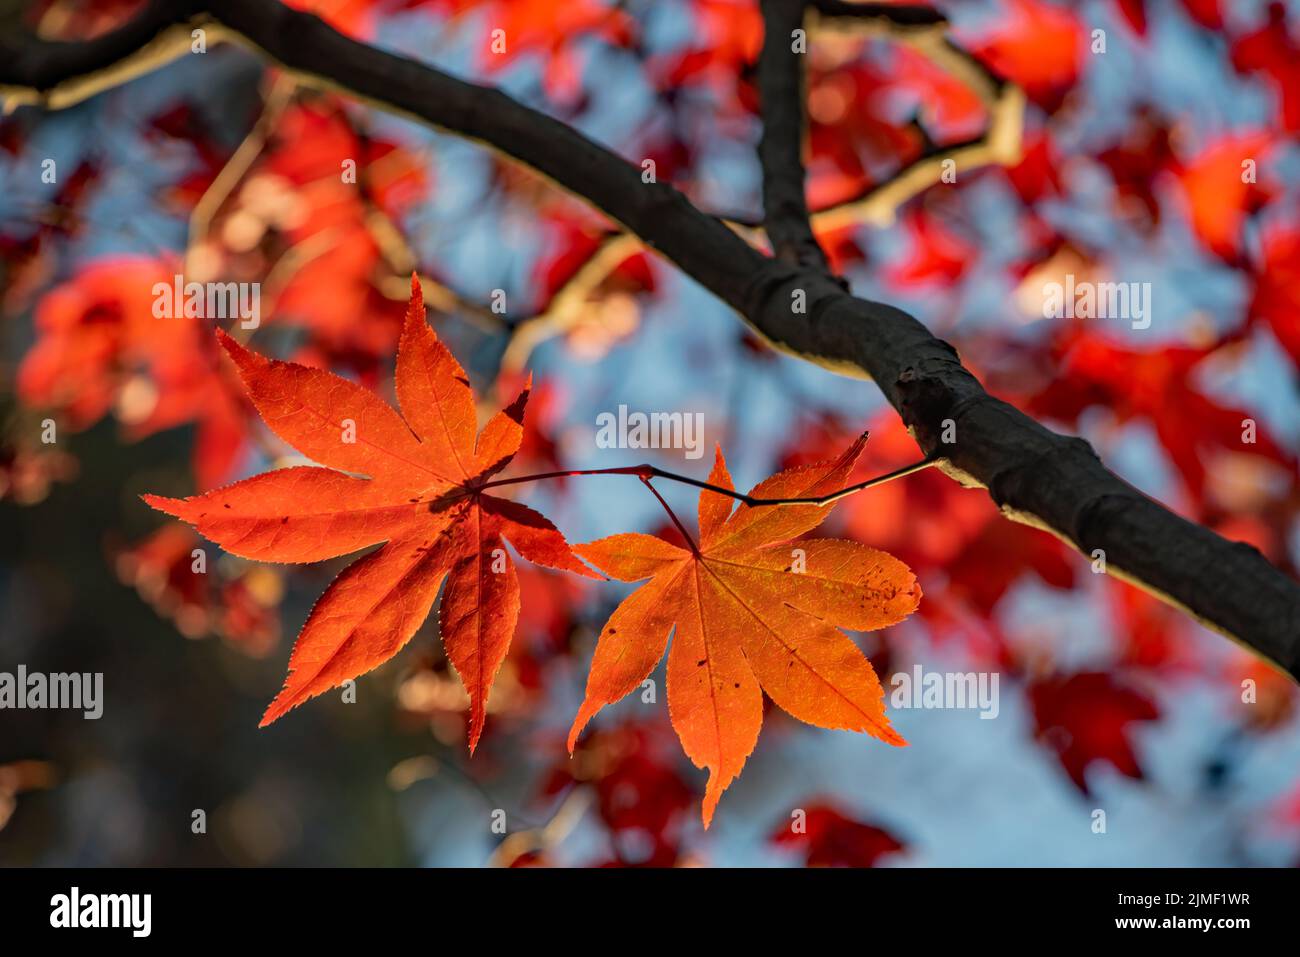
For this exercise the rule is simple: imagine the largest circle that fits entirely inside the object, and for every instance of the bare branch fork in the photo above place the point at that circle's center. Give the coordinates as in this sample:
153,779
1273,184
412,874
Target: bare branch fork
1036,476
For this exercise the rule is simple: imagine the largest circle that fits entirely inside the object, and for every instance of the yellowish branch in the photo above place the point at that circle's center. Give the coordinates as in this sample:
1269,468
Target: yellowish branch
241,160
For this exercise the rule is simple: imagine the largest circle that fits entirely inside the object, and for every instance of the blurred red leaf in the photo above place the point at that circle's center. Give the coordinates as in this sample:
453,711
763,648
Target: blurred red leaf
1085,718
1141,155
936,253
1205,12
1277,288
1037,175
642,799
1272,51
1158,386
1038,45
1135,12
102,346
831,839
1218,197
241,607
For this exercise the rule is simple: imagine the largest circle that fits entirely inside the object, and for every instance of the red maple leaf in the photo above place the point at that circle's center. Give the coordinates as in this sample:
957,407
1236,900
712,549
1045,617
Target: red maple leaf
753,608
423,499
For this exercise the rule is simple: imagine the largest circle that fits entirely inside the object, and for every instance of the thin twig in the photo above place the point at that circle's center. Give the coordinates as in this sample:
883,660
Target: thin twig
828,499
645,480
646,472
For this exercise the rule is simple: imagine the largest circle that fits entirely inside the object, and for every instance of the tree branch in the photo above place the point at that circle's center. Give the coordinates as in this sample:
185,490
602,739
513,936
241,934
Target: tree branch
57,75
920,28
999,144
780,150
1036,476
895,14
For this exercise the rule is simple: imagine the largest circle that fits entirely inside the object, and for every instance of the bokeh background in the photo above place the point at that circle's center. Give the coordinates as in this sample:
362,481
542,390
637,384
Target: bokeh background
223,168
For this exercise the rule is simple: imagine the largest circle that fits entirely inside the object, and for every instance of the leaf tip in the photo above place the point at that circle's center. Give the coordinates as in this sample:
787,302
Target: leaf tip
580,722
854,451
478,717
284,702
585,552
886,733
243,357
168,506
274,712
707,808
415,305
579,568
515,410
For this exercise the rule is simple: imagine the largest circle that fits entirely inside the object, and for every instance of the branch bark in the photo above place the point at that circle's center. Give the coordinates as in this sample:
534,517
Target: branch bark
1035,476
895,14
57,75
780,150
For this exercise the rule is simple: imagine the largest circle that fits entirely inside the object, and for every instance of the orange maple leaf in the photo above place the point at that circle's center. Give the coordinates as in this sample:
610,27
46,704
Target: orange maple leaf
423,499
753,608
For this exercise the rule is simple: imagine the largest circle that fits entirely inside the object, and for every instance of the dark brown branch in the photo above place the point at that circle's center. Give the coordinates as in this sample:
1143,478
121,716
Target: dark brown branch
1036,476
891,13
780,151
43,64
57,74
